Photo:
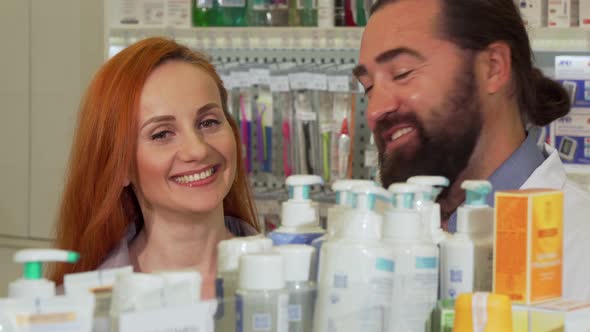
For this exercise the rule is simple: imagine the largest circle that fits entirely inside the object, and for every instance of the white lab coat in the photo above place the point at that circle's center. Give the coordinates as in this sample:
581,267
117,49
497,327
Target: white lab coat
576,262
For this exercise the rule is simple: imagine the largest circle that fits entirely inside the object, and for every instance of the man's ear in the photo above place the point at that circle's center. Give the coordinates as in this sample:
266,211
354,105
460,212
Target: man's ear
497,62
126,182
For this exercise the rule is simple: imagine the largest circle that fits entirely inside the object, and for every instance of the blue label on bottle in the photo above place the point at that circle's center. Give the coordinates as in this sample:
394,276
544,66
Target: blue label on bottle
426,263
239,313
262,322
219,296
456,275
294,312
386,265
340,281
279,238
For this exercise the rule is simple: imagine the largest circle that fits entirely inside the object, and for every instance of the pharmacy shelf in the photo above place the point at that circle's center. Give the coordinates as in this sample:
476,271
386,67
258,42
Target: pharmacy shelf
248,37
542,39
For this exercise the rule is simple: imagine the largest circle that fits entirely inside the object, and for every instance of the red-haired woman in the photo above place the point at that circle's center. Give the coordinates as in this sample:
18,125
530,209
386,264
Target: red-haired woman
156,177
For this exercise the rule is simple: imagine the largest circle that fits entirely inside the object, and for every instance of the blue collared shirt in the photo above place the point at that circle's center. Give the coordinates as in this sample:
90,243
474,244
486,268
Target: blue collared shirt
514,172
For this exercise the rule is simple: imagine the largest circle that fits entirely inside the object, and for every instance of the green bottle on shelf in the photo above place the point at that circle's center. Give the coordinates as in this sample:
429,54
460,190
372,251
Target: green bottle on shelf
361,15
230,13
294,17
258,13
308,12
203,13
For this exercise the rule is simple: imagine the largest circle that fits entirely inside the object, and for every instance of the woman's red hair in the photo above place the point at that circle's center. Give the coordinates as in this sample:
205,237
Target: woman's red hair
96,207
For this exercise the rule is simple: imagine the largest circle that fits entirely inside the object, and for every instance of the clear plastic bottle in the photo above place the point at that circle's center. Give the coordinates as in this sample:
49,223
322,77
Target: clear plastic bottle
297,259
262,300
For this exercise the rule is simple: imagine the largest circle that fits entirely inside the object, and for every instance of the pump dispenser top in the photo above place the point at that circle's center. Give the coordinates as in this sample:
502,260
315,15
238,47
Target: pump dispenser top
33,284
403,222
431,209
476,192
299,210
343,190
436,183
404,194
364,223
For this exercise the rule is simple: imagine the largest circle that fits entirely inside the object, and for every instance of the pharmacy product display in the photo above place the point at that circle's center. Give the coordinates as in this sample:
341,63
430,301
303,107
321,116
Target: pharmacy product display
467,256
378,271
426,203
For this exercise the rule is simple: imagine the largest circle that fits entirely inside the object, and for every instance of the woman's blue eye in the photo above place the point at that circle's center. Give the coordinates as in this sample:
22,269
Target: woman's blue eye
208,123
161,135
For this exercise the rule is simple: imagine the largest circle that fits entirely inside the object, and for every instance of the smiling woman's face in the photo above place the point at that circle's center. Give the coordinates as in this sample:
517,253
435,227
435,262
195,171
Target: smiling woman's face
186,151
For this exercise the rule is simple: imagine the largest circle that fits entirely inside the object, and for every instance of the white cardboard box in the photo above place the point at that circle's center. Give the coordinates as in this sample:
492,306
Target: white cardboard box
534,12
563,13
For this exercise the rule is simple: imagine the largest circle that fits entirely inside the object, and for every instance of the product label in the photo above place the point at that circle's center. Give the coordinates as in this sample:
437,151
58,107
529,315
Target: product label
547,250
259,76
511,247
239,313
204,4
219,294
426,263
306,116
299,81
339,83
279,83
294,313
194,318
232,3
318,82
39,322
262,322
371,158
178,13
279,238
340,280
383,264
153,12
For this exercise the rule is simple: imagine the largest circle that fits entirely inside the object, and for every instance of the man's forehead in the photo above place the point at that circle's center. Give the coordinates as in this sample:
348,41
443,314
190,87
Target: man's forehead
404,23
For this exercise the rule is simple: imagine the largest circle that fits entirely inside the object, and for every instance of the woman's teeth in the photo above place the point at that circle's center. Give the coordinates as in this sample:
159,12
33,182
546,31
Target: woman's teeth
195,177
399,133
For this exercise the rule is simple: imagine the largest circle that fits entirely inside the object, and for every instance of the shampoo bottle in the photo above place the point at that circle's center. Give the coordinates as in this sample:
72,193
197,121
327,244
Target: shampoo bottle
356,270
467,257
429,207
297,260
300,222
415,289
262,300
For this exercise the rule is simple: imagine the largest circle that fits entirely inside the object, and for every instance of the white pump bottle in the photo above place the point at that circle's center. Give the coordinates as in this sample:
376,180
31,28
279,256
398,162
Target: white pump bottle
300,222
467,257
428,204
356,270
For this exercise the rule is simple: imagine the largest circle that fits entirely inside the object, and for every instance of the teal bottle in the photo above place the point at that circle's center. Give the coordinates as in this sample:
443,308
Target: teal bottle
203,14
258,14
308,12
230,13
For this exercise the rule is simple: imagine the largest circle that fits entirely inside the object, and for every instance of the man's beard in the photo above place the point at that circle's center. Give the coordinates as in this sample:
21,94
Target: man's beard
443,149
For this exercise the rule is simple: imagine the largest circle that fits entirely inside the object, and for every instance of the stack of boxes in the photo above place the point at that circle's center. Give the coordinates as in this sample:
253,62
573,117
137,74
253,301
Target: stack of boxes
555,13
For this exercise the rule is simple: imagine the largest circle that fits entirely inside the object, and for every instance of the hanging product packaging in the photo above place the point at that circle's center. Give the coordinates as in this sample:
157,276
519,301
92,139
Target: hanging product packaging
283,107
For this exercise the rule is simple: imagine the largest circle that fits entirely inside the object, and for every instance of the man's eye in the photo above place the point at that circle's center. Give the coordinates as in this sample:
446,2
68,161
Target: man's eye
403,75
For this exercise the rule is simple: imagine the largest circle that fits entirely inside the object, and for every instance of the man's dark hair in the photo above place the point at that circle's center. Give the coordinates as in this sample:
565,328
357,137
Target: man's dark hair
475,24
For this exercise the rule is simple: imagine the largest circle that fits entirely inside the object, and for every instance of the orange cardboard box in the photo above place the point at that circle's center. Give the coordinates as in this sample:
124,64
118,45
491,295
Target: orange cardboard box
528,245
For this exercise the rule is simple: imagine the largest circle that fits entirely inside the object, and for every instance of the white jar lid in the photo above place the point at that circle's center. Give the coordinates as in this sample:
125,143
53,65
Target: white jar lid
229,252
261,271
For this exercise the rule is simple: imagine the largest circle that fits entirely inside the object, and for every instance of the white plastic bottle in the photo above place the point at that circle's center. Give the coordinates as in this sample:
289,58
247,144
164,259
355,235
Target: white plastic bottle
467,257
300,222
297,260
262,300
226,283
356,270
436,185
343,190
415,290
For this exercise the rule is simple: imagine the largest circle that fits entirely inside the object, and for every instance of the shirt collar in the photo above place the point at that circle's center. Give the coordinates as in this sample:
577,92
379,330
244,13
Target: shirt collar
514,172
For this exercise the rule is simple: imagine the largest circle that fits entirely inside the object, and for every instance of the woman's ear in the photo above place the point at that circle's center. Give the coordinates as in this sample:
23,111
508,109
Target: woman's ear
126,182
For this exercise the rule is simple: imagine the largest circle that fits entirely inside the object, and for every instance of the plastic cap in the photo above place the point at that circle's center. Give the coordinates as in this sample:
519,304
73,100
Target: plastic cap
262,271
33,260
296,261
343,188
477,192
264,242
300,186
482,312
295,214
402,224
365,197
437,183
229,252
